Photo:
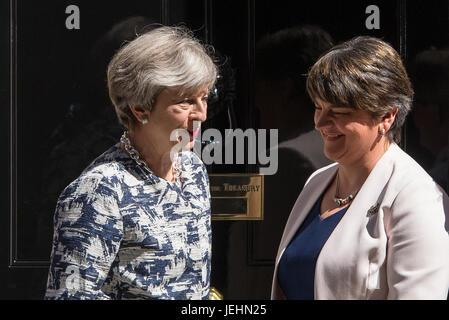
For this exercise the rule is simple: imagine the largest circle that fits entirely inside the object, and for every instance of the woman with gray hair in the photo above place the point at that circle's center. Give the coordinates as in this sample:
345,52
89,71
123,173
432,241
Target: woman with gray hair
372,225
136,223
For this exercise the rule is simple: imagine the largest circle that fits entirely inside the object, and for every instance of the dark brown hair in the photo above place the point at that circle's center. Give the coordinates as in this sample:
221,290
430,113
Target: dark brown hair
363,73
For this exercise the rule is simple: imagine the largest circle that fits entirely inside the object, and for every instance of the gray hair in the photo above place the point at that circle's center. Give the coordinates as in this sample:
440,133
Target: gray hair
165,57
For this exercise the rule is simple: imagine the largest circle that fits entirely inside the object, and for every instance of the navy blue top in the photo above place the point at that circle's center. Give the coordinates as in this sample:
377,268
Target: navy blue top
296,270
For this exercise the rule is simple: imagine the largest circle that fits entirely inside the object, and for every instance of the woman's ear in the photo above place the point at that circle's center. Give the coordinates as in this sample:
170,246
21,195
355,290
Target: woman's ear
388,119
140,114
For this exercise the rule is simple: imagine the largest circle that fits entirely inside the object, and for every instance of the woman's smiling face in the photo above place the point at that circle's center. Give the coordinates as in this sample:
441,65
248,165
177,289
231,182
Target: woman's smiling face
348,134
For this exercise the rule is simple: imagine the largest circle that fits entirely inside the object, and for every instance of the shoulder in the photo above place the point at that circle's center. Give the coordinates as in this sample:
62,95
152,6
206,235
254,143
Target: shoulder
109,163
413,193
322,173
406,172
89,188
90,201
102,177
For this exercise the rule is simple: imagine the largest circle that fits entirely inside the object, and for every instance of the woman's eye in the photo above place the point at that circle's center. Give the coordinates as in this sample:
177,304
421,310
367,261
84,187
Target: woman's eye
186,102
341,113
184,105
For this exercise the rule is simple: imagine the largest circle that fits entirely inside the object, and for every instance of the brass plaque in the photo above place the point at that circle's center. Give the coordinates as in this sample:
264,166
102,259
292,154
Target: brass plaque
236,196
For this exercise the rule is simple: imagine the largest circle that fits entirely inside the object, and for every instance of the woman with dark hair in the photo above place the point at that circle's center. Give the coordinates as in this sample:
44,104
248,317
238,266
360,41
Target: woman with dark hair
373,224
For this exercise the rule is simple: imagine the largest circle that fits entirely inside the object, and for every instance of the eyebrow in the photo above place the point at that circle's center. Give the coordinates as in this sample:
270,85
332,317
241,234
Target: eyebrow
192,93
188,96
340,107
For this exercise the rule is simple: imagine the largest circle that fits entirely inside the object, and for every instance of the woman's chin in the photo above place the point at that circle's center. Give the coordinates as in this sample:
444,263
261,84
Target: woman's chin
331,154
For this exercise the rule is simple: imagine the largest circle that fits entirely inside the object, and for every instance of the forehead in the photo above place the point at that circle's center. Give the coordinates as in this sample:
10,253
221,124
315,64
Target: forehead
335,105
187,92
357,115
321,103
326,104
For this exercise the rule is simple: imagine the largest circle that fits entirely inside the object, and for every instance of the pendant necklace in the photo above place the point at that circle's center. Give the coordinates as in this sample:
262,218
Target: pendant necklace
342,201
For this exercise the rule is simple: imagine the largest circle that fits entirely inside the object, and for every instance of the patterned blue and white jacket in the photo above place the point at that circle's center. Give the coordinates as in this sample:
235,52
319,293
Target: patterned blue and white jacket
120,232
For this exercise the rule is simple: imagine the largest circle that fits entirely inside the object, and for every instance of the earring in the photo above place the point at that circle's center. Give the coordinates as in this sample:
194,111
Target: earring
382,132
144,120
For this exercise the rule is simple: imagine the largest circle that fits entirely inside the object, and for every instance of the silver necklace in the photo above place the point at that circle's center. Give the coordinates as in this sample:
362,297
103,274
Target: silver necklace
135,155
342,201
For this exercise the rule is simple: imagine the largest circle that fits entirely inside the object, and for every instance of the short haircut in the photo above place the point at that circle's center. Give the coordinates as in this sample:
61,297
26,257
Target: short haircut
363,73
165,57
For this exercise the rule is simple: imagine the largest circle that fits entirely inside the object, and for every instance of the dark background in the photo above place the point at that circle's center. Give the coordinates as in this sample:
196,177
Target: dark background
56,117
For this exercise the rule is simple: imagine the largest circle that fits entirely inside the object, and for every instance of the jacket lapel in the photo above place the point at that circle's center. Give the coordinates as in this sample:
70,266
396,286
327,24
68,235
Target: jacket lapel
349,231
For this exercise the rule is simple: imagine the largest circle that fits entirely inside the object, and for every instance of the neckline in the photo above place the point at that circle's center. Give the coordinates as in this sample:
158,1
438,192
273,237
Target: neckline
318,209
339,212
147,174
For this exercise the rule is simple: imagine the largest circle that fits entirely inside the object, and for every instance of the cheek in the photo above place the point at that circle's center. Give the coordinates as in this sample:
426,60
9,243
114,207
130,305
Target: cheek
178,116
363,136
346,127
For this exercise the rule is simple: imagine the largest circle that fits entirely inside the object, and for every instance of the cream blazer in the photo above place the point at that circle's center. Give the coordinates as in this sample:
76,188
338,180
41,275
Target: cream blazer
392,242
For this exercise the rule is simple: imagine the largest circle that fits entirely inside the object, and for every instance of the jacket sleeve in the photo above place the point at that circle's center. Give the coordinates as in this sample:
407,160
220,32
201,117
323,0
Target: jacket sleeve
418,244
87,234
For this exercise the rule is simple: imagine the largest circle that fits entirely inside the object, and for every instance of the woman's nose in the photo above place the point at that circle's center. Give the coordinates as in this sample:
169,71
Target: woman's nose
199,111
322,119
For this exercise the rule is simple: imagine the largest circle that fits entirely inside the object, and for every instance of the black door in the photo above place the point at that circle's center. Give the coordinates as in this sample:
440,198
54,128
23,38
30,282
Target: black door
56,116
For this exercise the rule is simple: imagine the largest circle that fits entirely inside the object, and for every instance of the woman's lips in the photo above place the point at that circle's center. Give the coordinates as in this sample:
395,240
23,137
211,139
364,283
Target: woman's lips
195,133
332,136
